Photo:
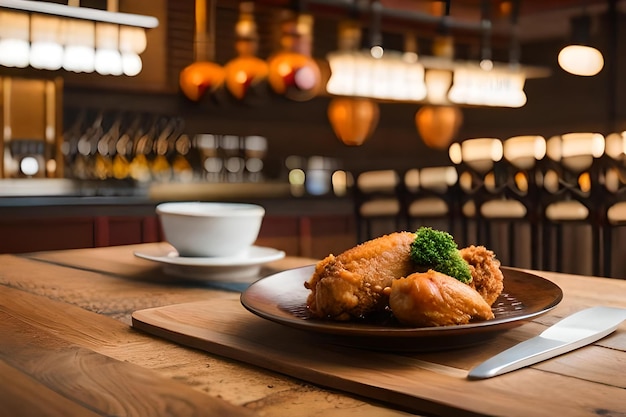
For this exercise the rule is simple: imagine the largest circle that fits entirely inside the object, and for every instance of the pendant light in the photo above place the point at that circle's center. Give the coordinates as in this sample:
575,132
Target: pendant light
579,58
203,75
437,123
46,51
14,39
246,75
353,119
293,73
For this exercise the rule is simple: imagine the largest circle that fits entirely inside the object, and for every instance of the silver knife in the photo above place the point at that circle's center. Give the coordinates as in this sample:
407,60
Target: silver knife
573,332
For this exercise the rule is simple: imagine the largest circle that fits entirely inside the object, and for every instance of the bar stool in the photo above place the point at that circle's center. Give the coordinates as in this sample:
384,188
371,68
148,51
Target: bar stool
571,202
377,203
613,211
475,161
431,198
522,155
499,195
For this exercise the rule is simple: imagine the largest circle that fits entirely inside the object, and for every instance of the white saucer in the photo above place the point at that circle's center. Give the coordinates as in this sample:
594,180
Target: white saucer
243,268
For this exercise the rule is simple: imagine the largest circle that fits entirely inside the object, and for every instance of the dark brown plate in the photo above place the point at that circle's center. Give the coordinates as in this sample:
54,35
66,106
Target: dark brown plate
282,298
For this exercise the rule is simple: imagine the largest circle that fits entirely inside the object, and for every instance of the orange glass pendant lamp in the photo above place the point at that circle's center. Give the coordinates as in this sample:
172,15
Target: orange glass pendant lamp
203,75
292,71
247,73
353,119
200,77
437,125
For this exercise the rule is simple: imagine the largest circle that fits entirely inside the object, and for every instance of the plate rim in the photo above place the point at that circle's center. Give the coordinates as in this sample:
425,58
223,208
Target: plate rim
353,329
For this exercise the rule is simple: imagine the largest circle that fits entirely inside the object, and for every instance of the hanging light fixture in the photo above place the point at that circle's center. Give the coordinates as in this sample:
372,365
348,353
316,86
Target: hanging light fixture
579,58
353,119
246,75
203,75
46,50
108,60
438,122
437,125
52,36
375,73
79,53
293,73
14,39
132,43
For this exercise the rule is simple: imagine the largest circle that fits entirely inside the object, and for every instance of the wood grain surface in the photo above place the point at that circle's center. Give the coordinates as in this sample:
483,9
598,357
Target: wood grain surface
70,312
432,383
82,301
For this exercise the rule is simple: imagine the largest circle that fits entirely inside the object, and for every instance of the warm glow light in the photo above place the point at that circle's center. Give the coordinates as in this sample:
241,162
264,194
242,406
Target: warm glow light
455,154
79,51
575,144
29,166
132,43
131,64
377,52
244,74
79,39
390,77
496,87
294,75
46,51
524,151
353,119
581,60
577,150
437,85
14,36
437,125
132,39
616,145
438,178
108,60
199,78
481,153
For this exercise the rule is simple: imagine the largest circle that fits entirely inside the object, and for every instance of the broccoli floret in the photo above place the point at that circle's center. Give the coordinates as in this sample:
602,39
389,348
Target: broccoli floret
437,250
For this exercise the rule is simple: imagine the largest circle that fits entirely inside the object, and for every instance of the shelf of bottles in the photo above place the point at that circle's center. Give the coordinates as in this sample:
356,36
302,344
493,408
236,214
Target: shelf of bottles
146,148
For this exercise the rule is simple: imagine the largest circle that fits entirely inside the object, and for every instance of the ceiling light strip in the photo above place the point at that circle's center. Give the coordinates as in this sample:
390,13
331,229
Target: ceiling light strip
84,13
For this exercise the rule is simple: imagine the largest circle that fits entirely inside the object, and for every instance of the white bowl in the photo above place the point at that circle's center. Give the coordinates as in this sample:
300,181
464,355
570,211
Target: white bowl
210,229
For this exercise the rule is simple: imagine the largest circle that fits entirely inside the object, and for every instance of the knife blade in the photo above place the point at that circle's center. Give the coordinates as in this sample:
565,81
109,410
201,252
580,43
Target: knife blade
575,331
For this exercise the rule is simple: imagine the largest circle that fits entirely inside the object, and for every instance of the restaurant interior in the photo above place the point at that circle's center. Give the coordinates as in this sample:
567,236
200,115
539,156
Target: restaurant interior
345,119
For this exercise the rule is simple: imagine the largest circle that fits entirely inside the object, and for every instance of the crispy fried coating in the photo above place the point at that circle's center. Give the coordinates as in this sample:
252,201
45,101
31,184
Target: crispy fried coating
435,299
487,277
350,285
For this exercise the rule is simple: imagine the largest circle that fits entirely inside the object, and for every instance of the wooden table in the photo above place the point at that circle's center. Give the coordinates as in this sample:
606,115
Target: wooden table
67,348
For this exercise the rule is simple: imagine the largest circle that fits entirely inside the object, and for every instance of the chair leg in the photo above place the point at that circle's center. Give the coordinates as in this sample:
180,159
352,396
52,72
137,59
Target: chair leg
558,228
546,231
595,250
607,251
535,249
511,244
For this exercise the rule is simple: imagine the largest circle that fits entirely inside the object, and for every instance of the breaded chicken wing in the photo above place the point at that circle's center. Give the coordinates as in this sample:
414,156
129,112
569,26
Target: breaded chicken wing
487,277
435,299
350,285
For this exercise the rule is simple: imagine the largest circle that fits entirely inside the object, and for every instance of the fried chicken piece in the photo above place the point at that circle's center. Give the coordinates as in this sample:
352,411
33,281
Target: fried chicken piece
487,277
350,285
426,299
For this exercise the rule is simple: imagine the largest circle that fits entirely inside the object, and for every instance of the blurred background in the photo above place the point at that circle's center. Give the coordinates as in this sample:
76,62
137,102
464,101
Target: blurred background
337,115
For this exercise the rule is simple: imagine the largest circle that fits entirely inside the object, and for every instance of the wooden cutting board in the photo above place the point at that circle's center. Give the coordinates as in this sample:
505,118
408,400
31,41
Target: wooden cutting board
418,382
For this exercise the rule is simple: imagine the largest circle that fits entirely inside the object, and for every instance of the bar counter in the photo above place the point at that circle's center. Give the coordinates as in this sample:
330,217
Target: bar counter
52,214
69,349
